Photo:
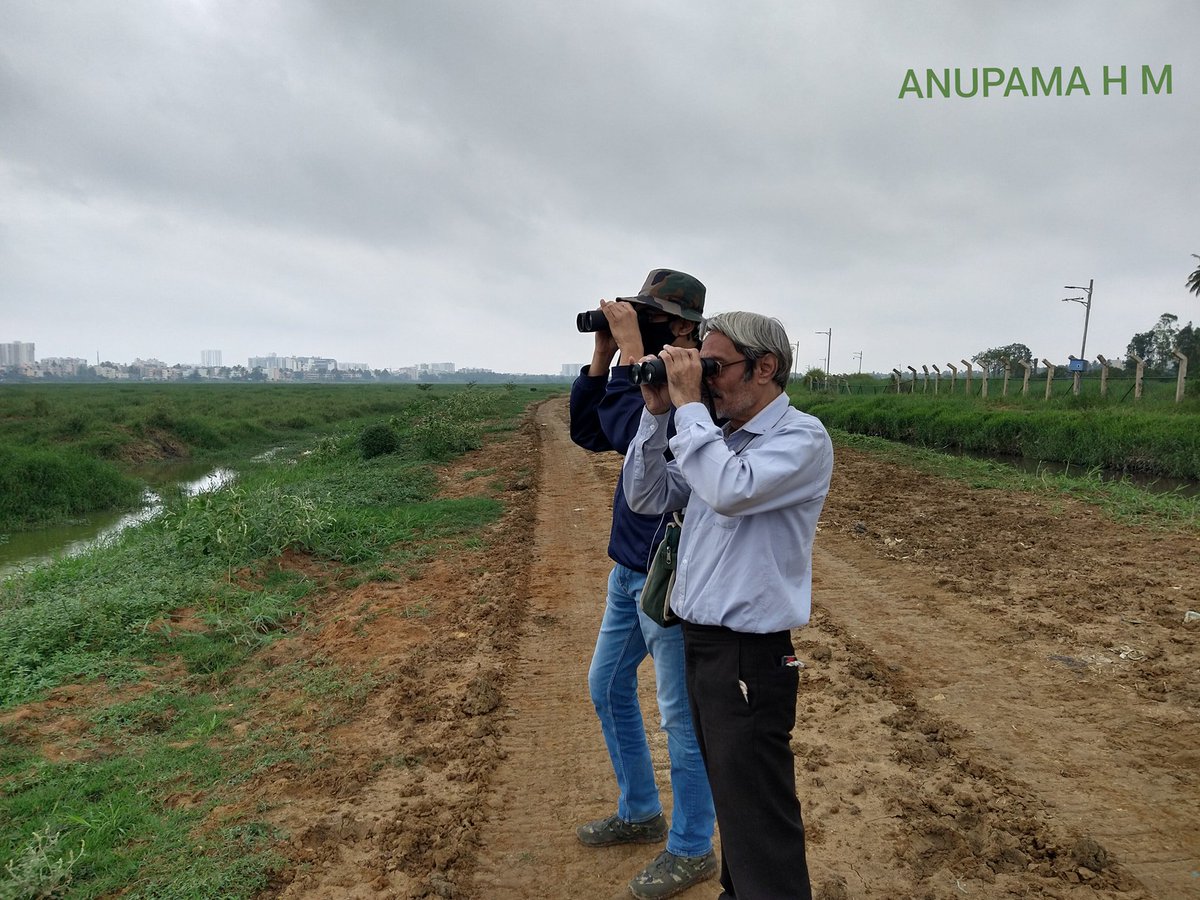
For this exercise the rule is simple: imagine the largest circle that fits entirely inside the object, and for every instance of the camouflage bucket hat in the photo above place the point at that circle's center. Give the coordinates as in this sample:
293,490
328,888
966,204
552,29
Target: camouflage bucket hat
675,293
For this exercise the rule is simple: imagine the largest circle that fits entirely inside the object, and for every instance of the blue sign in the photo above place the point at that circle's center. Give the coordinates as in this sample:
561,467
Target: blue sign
1077,365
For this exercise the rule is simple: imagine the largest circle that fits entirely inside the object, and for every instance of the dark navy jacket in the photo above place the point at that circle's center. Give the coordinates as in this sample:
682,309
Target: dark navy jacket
605,413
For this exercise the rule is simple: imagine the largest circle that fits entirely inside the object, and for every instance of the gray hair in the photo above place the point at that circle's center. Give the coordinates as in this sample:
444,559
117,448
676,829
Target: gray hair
754,336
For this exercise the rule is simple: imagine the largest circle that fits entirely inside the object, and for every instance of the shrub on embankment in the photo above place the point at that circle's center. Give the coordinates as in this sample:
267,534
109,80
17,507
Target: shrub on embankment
52,485
1151,442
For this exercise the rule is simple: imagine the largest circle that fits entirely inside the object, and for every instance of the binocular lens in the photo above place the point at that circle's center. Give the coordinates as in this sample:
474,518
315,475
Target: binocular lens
590,321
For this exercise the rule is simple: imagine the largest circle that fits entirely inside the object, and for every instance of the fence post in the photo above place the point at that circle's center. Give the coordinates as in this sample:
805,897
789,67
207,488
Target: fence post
1103,376
1181,378
1137,377
1007,373
914,382
1049,376
968,365
937,378
1025,383
896,376
925,383
953,375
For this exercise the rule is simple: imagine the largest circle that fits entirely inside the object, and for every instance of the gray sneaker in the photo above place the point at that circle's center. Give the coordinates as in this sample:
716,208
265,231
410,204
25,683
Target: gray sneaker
615,830
669,875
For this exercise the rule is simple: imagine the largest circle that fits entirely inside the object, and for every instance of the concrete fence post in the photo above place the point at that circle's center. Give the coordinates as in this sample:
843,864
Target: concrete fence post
1007,375
925,383
1028,366
968,365
1103,375
1049,376
953,375
937,378
914,380
1181,378
1138,374
896,378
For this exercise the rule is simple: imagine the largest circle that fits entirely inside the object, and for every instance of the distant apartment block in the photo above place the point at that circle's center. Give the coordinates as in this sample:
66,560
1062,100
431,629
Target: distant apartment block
276,367
63,366
570,370
210,359
16,353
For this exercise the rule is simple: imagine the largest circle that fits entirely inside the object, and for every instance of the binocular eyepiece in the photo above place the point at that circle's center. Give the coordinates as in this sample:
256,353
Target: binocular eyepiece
654,371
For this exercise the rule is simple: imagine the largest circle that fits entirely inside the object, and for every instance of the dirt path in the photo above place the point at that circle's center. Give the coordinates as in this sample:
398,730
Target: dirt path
1001,699
556,772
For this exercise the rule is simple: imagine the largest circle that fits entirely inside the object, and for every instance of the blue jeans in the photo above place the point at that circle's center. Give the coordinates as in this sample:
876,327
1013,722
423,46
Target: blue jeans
626,636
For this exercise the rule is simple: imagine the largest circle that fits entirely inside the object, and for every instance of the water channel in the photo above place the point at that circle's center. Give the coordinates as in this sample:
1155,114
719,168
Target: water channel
24,550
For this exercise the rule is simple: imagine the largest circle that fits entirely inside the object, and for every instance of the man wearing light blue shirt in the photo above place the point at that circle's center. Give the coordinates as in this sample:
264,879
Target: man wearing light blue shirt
753,492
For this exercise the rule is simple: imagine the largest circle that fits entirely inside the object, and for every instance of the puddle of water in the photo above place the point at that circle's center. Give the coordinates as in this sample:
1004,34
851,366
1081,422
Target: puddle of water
25,550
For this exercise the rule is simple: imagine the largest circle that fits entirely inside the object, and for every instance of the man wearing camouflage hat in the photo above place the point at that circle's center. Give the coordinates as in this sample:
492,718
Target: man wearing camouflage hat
605,411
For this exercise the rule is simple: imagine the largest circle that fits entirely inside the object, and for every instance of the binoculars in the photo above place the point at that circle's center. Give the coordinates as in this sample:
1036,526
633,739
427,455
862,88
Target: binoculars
654,371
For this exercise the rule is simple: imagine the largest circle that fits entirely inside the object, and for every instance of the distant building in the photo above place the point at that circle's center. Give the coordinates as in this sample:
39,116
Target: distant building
570,370
63,366
16,353
210,359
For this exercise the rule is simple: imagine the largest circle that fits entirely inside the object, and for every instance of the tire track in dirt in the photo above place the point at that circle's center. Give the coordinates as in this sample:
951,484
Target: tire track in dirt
1024,712
1012,629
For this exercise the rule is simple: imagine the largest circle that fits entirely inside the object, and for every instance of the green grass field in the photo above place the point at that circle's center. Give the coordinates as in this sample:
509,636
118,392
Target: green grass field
1156,438
356,491
67,450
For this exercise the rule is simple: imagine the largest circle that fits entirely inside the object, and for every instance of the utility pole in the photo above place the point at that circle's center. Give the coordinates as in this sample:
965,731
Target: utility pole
859,355
1087,314
828,346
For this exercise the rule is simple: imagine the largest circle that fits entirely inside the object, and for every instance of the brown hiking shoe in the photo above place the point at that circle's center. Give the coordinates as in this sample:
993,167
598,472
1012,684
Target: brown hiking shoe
615,830
669,875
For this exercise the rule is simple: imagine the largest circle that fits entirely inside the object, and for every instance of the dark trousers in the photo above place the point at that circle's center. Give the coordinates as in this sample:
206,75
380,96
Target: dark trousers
745,740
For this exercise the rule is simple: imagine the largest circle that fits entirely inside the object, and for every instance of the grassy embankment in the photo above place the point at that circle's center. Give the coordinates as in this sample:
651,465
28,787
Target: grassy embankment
1162,440
154,703
67,450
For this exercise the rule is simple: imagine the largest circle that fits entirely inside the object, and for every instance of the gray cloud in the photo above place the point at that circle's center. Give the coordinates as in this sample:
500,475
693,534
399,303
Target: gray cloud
398,183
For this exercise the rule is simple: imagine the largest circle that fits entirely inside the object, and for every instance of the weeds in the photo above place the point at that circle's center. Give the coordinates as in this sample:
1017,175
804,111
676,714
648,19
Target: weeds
40,868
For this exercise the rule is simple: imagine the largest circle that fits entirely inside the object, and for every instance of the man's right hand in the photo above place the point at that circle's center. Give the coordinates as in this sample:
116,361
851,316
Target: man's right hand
623,323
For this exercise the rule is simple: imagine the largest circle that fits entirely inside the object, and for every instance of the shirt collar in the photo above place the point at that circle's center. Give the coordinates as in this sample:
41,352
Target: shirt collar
766,418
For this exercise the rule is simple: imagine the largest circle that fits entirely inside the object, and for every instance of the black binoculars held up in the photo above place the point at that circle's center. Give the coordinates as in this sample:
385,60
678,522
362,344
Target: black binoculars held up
654,371
592,320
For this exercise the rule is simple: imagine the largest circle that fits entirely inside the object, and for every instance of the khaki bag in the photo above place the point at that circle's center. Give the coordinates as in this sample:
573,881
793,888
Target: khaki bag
656,594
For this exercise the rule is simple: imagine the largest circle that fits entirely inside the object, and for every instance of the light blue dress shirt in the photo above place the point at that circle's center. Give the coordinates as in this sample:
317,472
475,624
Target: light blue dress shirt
753,498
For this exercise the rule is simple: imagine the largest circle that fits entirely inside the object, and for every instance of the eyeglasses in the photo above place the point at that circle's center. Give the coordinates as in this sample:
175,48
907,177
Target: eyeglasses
722,366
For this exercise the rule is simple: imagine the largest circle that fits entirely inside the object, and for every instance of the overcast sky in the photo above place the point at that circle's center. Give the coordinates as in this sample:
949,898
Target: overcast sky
413,182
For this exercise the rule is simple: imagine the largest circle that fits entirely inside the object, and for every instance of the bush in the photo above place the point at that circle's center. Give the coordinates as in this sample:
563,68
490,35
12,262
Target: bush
378,439
39,486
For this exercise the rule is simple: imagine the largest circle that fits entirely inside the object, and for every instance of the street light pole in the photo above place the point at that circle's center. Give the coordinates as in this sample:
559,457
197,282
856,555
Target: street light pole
828,346
1087,314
